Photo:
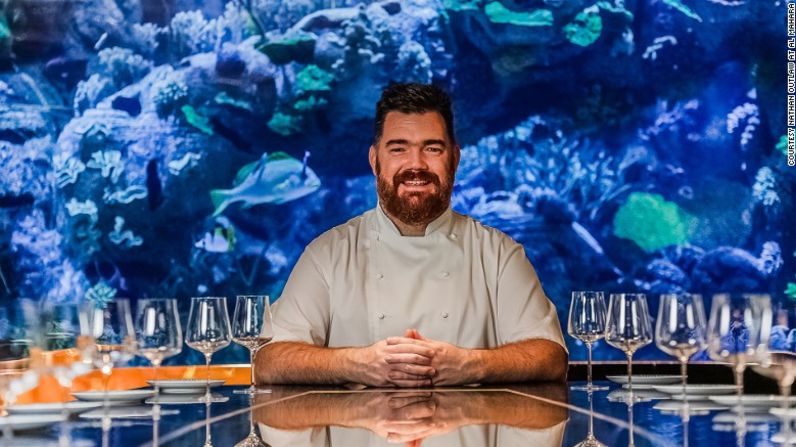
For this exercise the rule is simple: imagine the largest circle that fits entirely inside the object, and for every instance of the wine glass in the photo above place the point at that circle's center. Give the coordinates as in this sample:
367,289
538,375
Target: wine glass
590,440
208,327
587,324
736,330
158,331
252,439
680,330
777,361
21,356
251,328
628,326
110,325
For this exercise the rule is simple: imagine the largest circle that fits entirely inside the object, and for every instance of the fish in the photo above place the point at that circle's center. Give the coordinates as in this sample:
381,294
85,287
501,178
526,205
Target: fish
276,178
153,186
220,240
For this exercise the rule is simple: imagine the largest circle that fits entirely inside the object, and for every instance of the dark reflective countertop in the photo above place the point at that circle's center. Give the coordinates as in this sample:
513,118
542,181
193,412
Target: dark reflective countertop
538,415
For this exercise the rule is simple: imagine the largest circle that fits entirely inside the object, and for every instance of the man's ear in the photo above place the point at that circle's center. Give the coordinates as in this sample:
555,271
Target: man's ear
372,159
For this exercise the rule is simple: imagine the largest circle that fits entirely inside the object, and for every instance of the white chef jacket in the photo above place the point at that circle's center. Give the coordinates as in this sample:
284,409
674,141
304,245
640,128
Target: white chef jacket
462,282
468,436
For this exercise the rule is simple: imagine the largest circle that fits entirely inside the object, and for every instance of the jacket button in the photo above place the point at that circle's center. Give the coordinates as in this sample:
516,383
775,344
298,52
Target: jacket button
380,316
445,274
444,315
379,275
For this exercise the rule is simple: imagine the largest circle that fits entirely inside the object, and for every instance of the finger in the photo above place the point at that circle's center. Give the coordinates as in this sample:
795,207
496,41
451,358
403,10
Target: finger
409,348
402,340
409,333
416,359
400,375
406,399
418,410
427,430
417,370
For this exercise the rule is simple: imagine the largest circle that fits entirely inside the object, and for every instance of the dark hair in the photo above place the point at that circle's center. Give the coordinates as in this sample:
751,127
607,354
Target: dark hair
414,98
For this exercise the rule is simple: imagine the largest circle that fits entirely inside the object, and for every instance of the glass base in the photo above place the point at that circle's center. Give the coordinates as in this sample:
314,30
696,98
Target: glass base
588,387
252,391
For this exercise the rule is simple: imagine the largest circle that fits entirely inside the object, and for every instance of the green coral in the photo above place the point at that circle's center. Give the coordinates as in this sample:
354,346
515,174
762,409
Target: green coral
313,85
285,124
652,222
497,13
197,120
790,290
101,294
461,5
678,5
782,145
299,48
313,78
5,30
585,28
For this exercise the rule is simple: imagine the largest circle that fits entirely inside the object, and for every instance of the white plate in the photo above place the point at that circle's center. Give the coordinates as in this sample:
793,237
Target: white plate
752,400
703,390
646,379
196,391
53,408
125,412
176,399
115,395
30,421
185,383
677,406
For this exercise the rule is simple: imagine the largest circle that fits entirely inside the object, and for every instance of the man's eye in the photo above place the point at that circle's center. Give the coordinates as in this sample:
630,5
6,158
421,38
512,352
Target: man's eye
434,149
396,150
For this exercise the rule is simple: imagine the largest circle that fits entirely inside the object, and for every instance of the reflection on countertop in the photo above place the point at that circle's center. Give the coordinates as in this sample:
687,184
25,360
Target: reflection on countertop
438,417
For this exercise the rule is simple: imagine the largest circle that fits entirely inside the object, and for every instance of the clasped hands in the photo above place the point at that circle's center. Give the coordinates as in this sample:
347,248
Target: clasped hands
414,361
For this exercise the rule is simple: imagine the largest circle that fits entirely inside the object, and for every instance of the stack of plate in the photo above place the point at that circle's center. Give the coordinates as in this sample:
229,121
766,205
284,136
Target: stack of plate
185,391
645,382
115,397
30,421
185,386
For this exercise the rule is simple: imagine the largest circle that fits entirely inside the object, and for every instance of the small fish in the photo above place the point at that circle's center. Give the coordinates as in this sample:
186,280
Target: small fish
275,178
220,240
153,186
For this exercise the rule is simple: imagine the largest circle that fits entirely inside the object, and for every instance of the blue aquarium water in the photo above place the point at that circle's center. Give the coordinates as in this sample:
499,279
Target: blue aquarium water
187,148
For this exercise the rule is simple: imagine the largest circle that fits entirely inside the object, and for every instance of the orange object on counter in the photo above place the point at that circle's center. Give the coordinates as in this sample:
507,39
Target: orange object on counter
49,390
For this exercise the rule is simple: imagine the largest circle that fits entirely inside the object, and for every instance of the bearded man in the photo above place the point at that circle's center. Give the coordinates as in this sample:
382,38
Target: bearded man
412,294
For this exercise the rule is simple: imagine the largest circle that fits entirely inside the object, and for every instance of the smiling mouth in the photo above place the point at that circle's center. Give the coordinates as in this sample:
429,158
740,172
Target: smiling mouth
415,182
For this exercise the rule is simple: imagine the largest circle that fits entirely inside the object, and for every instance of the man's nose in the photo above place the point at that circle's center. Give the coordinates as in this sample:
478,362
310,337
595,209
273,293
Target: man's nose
417,160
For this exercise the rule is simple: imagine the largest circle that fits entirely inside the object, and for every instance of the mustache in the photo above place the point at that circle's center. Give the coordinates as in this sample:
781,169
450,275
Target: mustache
420,175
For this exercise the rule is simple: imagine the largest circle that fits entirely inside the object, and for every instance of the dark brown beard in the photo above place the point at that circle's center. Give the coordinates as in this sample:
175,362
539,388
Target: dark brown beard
415,209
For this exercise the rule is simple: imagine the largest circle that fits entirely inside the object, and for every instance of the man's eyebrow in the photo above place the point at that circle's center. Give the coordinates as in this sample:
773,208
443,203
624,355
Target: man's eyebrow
425,142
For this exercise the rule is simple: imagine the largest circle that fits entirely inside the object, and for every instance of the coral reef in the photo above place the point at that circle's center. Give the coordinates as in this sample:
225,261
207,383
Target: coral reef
624,145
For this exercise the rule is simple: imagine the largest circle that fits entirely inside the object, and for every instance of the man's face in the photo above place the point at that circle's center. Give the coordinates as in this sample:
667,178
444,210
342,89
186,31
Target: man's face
414,163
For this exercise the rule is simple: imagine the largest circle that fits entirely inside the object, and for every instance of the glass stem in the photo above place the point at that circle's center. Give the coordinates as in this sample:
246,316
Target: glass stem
207,367
684,372
739,381
588,367
252,352
630,372
155,366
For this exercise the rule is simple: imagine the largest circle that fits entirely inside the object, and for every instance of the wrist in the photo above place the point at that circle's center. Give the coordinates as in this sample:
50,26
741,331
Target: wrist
475,362
350,366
